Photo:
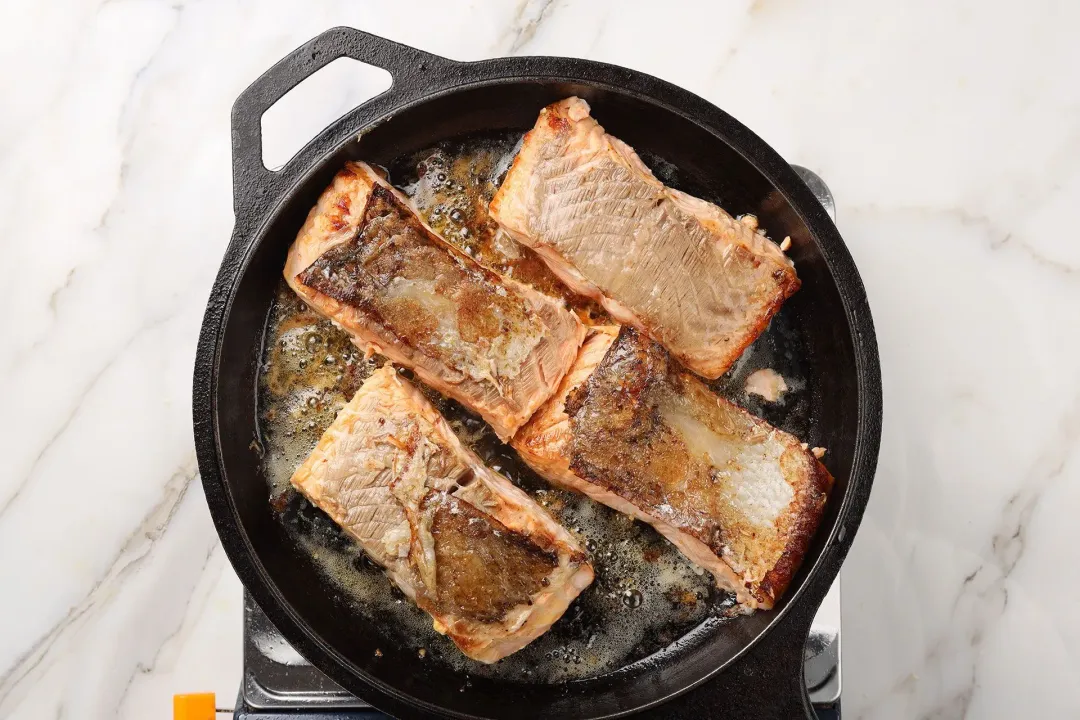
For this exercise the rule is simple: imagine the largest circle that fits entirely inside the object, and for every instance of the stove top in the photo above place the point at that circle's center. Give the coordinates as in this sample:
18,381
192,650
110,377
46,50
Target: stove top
279,683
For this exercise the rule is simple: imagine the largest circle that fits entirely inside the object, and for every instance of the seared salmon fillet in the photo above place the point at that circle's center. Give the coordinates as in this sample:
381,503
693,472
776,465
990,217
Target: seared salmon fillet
678,268
492,568
365,260
632,429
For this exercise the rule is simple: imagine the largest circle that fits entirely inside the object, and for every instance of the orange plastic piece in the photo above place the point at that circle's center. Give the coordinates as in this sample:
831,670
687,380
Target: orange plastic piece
194,706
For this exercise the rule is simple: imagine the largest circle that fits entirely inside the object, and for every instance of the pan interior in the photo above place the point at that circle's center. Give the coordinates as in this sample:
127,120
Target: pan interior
348,607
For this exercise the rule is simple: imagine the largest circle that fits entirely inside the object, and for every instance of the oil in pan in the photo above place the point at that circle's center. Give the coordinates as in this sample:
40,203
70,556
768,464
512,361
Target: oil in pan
646,595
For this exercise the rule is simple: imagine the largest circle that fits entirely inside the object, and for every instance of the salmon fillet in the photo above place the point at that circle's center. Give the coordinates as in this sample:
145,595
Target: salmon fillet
678,268
492,568
632,429
365,260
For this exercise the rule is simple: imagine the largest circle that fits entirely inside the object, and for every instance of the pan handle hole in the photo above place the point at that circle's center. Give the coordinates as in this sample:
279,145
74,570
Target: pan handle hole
315,103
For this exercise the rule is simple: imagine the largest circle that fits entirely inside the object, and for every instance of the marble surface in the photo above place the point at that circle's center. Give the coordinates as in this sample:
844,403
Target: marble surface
949,132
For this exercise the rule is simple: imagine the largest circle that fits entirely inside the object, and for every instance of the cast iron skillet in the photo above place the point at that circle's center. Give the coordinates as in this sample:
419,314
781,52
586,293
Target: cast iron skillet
753,665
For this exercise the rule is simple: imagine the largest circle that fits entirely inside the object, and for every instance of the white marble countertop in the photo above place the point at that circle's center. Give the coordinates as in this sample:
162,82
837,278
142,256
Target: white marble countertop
949,133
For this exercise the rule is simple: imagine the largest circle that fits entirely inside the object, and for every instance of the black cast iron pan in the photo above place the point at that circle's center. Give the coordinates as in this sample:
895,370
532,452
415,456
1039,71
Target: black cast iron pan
750,667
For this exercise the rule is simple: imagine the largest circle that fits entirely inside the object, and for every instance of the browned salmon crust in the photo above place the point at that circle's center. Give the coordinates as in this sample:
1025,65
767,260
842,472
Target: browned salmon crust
634,430
366,260
490,566
678,268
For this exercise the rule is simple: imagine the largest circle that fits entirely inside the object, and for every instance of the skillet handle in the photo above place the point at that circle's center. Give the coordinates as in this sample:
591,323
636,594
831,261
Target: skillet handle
411,70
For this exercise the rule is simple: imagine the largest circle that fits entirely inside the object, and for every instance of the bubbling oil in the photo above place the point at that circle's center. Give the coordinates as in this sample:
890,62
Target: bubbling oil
646,595
451,186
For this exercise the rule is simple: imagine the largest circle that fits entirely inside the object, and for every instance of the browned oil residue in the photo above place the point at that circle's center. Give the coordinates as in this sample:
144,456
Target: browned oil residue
451,186
310,370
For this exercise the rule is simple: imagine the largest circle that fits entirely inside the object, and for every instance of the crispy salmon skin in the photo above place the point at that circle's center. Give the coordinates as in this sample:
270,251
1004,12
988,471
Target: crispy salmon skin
490,566
632,429
365,260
